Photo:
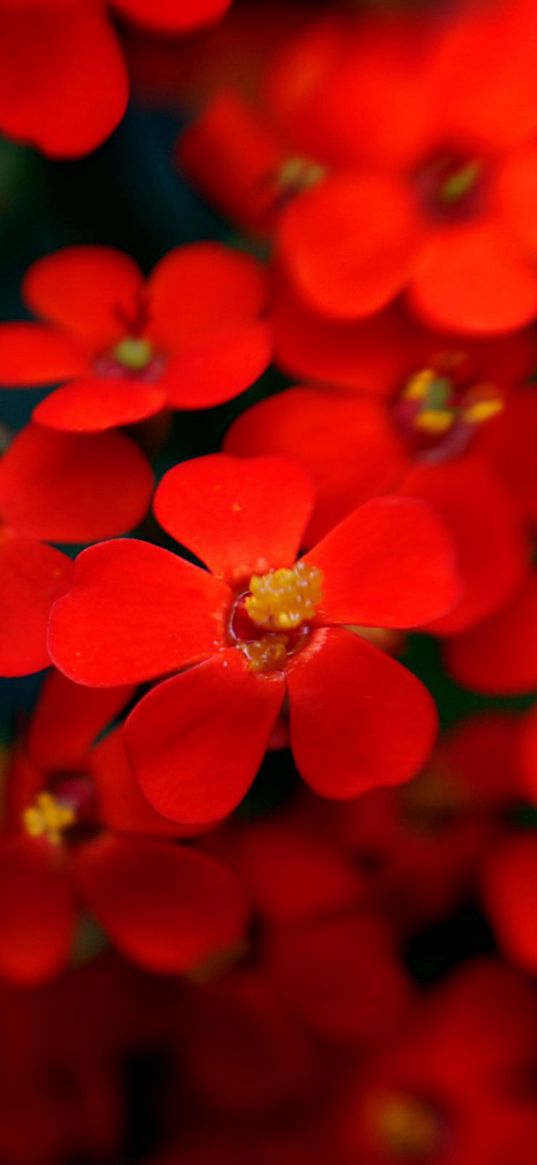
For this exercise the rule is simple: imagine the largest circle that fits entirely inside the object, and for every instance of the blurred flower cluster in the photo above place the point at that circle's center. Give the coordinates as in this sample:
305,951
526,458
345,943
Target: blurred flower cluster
268,594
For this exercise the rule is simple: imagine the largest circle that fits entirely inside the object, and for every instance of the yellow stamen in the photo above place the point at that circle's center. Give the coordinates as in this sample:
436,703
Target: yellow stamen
266,654
419,384
482,410
300,174
48,817
405,1125
284,599
460,183
434,420
134,353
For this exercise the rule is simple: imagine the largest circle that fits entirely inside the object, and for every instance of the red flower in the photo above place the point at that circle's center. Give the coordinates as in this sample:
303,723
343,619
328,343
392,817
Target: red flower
454,1083
415,851
260,626
63,80
239,161
57,488
166,907
427,414
402,165
189,338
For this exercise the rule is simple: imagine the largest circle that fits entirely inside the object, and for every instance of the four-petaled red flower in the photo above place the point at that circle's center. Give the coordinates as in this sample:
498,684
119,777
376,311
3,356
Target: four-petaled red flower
412,410
190,337
168,907
259,626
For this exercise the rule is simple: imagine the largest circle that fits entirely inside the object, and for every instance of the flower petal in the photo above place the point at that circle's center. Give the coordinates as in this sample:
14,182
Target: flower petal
516,192
341,975
347,444
351,243
499,656
64,488
63,81
358,718
32,354
373,355
134,611
91,291
492,546
96,403
475,279
220,368
204,290
238,516
169,16
494,105
196,741
37,912
508,441
67,719
510,891
122,807
234,156
291,874
32,576
357,96
166,907
389,564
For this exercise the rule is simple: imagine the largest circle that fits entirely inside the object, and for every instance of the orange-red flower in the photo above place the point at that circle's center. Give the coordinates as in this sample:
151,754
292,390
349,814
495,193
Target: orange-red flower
191,337
259,625
396,160
394,405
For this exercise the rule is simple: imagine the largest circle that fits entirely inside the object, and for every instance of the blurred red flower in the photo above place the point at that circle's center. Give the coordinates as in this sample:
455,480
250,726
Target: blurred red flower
189,338
455,1083
389,161
432,415
165,906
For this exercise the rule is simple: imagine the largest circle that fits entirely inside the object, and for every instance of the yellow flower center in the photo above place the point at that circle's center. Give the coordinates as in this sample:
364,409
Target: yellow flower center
297,174
460,182
284,599
439,405
271,621
134,353
404,1125
48,818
